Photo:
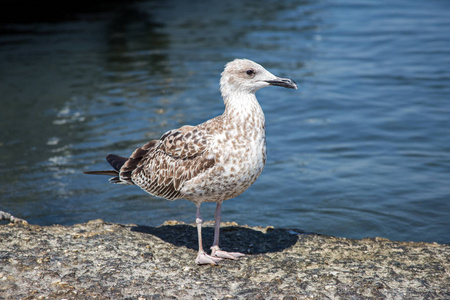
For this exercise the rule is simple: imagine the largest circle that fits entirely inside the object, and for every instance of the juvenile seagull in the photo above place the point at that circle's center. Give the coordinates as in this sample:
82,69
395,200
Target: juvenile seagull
211,162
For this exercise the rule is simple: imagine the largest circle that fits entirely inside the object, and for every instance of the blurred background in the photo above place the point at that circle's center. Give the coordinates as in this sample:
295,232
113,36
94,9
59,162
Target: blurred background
361,150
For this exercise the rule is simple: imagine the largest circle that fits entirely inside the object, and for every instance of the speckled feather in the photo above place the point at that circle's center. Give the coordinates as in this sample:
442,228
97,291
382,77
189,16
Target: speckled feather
208,162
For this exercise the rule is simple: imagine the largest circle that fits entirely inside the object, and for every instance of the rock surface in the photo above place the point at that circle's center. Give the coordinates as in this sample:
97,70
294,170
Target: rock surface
104,260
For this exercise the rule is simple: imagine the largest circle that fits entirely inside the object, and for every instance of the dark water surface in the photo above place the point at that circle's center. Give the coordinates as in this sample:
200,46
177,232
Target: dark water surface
362,149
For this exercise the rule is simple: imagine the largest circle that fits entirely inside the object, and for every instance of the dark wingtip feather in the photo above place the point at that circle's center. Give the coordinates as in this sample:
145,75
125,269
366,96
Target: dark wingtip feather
116,161
106,172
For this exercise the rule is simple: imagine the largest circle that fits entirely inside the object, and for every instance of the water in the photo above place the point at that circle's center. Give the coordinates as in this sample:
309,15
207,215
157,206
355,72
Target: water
362,149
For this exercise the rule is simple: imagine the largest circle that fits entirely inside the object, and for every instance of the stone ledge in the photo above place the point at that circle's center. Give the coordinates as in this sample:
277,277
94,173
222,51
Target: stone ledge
104,260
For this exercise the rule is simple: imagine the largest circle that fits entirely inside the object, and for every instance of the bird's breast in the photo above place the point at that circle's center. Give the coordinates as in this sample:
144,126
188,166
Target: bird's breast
239,153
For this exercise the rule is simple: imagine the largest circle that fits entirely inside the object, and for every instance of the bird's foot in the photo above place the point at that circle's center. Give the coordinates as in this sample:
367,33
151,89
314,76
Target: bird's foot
203,259
224,254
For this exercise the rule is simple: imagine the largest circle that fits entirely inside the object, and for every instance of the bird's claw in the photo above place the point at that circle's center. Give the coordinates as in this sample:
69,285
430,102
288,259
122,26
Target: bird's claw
204,259
224,254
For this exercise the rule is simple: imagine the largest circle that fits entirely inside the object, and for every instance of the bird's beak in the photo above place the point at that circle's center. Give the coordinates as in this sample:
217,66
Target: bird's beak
284,82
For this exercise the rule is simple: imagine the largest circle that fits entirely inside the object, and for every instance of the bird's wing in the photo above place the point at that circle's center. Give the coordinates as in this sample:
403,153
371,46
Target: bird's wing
179,156
185,142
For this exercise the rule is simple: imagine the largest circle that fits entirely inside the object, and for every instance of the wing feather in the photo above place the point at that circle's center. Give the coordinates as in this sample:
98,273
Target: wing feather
177,157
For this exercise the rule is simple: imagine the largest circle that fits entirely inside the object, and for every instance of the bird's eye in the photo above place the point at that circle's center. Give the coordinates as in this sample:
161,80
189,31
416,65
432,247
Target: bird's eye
250,72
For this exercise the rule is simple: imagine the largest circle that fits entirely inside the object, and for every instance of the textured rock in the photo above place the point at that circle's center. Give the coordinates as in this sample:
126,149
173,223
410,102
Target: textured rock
103,260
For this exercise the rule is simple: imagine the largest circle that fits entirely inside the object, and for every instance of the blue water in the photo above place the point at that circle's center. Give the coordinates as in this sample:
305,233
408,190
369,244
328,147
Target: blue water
361,150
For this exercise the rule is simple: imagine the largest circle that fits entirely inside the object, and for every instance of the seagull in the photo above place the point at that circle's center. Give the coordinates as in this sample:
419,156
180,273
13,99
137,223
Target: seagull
212,162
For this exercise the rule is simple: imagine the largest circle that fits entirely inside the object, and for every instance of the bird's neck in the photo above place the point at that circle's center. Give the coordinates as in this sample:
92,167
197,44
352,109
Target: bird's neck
243,107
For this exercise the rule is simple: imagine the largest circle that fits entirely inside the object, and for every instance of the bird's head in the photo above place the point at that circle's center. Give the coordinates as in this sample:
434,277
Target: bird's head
246,76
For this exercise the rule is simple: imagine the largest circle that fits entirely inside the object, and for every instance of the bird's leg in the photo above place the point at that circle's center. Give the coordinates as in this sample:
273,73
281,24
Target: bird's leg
202,257
215,250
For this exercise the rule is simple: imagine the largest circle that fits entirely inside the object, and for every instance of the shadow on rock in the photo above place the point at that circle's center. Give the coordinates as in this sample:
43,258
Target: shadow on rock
235,238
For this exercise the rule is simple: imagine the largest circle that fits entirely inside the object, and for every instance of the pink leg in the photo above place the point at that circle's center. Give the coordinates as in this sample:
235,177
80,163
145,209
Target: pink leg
202,257
215,247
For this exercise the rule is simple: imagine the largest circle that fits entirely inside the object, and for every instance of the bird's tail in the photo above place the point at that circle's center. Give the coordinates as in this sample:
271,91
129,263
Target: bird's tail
105,172
116,162
124,166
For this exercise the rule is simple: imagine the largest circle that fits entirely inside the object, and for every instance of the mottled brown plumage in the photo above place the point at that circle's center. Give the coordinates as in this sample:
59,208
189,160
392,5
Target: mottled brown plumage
211,162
